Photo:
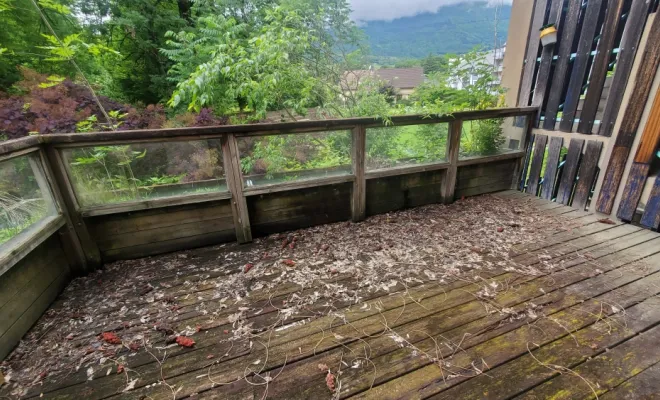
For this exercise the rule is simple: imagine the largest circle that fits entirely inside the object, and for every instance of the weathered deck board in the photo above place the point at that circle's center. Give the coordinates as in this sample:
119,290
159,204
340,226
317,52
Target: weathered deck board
490,344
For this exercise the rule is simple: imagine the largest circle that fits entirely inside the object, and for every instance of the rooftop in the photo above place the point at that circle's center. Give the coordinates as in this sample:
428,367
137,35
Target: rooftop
399,78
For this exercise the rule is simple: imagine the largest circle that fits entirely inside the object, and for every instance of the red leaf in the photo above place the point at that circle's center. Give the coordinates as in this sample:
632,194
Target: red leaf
292,245
185,341
120,368
134,346
248,267
111,338
500,229
330,381
607,221
288,262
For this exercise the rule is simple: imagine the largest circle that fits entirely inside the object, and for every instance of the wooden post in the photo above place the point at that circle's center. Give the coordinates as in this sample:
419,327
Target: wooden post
232,163
453,147
70,241
358,156
85,252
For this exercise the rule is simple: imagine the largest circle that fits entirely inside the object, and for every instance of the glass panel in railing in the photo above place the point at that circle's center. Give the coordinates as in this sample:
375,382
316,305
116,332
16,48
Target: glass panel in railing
489,137
395,146
267,160
25,198
144,171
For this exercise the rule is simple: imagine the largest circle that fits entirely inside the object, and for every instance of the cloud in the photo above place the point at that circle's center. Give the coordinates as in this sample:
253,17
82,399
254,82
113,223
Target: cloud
387,10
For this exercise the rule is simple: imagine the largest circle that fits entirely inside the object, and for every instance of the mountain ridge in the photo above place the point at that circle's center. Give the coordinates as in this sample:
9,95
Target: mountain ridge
452,29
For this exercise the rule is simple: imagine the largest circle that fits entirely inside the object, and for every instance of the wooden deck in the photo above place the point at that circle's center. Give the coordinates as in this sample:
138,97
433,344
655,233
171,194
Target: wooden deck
587,329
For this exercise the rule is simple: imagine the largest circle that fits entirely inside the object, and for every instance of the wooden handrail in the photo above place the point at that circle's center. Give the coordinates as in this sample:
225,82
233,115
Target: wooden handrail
276,128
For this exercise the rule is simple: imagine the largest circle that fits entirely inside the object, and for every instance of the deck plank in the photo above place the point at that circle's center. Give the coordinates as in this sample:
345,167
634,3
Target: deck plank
224,374
487,325
606,371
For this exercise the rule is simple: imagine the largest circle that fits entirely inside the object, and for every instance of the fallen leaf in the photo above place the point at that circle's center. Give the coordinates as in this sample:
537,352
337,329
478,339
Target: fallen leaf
248,267
120,368
330,381
185,341
607,221
288,263
210,356
500,229
131,385
111,338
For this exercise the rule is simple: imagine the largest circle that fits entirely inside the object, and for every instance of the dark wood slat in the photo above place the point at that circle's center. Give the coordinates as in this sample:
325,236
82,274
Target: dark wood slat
543,75
528,157
570,171
600,66
633,191
582,56
537,164
568,28
631,120
651,216
643,158
533,43
587,173
551,167
632,34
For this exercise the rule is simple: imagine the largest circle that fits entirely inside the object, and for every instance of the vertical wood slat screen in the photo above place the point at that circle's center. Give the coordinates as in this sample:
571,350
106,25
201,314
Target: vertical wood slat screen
567,180
578,83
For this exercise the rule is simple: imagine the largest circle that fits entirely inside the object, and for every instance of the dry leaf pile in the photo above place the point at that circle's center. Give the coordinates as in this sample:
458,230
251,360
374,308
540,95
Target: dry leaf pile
163,303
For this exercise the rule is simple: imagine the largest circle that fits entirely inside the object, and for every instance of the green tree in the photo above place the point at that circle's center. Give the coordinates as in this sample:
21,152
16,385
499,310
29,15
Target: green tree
136,29
287,56
22,37
435,63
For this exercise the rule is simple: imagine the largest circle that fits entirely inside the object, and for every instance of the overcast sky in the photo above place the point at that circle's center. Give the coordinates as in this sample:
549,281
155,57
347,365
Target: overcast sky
369,10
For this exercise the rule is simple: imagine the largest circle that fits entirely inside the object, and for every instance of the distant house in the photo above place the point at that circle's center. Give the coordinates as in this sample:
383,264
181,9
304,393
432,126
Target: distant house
492,57
403,80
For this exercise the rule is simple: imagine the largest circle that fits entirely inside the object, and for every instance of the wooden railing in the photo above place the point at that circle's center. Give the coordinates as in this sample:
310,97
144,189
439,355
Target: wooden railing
84,251
74,238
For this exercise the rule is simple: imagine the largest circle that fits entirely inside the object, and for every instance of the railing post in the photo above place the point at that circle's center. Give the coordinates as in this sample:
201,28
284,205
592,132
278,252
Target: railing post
453,146
83,251
232,163
358,156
